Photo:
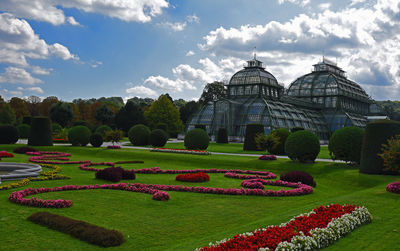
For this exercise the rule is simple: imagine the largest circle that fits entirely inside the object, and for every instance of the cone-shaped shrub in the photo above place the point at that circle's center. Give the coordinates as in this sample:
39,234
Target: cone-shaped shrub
139,135
79,135
302,146
158,138
40,134
345,144
196,139
8,134
376,134
96,140
222,136
249,140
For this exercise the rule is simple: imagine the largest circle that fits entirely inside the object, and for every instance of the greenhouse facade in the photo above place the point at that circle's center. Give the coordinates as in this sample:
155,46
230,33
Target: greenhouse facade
321,101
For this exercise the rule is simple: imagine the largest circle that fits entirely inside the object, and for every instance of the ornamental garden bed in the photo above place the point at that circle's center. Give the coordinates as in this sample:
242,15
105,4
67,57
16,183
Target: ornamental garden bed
172,150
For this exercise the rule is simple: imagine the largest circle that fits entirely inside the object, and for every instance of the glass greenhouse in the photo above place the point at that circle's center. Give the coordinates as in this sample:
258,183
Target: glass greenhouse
321,101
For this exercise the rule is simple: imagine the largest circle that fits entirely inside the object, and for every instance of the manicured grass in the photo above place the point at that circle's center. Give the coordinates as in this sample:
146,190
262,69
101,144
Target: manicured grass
190,220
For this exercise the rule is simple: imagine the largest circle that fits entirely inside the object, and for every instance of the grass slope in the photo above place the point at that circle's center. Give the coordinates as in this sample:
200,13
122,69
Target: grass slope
190,220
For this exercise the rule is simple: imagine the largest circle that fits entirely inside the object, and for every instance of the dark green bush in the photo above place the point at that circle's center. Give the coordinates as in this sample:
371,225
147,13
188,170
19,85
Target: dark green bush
139,135
299,176
79,229
376,134
158,138
222,136
79,135
81,122
295,129
276,141
27,120
103,129
302,146
8,134
200,126
96,140
40,134
345,144
56,128
249,139
162,126
196,139
23,131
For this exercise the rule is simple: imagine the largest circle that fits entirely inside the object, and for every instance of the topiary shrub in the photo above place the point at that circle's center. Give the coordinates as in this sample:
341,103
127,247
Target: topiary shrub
115,174
249,139
103,129
299,176
276,141
96,140
24,149
196,139
302,146
79,135
345,144
23,131
376,134
139,135
8,134
81,122
56,128
158,138
222,136
200,126
40,134
162,126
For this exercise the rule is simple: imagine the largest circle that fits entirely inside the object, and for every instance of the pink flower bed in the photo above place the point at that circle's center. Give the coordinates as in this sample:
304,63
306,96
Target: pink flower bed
113,147
172,150
86,166
267,157
44,157
393,187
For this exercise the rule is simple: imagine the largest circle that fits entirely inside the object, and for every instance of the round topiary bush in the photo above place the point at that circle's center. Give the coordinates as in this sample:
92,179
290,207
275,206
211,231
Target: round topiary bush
139,135
40,134
23,131
200,126
96,140
103,129
196,139
345,144
158,138
276,141
222,136
249,139
376,134
56,128
299,176
8,134
302,146
79,135
81,122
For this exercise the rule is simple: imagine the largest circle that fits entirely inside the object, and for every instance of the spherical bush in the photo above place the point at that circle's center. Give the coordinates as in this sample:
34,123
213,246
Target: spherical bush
103,129
196,139
139,135
299,176
302,146
40,134
345,144
81,122
8,134
79,135
158,138
276,141
23,131
96,140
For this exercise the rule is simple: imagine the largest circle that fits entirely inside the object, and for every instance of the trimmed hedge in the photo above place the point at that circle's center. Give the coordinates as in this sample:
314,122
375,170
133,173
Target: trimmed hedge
139,135
115,174
102,130
376,134
302,146
222,136
23,131
196,139
8,134
96,140
249,140
299,176
276,141
79,229
345,144
40,134
158,138
79,135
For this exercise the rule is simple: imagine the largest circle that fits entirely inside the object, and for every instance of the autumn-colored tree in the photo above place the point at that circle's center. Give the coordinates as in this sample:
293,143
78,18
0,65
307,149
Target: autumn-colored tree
20,108
84,110
92,110
77,114
44,107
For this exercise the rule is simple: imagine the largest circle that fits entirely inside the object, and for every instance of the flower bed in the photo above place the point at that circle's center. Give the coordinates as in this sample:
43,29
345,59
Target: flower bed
113,147
4,154
393,187
315,230
267,157
171,150
193,177
44,157
59,140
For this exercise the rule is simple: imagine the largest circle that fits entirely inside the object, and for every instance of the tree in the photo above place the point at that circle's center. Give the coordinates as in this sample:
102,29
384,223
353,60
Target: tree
114,136
179,103
187,110
61,113
44,107
104,114
128,116
84,110
7,114
33,103
77,114
20,108
162,110
92,110
213,91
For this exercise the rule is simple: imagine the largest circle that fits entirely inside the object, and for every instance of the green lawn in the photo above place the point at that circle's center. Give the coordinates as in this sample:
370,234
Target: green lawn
190,220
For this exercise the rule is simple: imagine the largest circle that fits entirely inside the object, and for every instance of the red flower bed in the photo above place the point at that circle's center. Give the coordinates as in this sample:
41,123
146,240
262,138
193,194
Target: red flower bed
4,154
193,177
393,187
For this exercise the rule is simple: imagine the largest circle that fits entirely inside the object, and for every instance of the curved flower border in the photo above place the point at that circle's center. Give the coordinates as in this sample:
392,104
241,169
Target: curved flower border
342,220
43,157
393,187
172,150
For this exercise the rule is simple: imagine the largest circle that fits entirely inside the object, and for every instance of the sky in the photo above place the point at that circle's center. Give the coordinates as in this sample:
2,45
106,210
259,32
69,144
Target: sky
126,48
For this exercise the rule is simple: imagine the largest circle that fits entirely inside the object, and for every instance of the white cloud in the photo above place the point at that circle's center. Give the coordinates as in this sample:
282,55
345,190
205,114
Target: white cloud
50,10
35,89
173,26
141,91
354,2
298,2
95,64
190,53
61,51
16,75
193,19
40,71
324,6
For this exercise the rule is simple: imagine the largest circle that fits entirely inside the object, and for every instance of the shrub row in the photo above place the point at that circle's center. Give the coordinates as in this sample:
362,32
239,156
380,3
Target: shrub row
140,135
79,229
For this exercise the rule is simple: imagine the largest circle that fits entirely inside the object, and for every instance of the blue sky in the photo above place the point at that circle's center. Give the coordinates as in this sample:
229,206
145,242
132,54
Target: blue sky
85,49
